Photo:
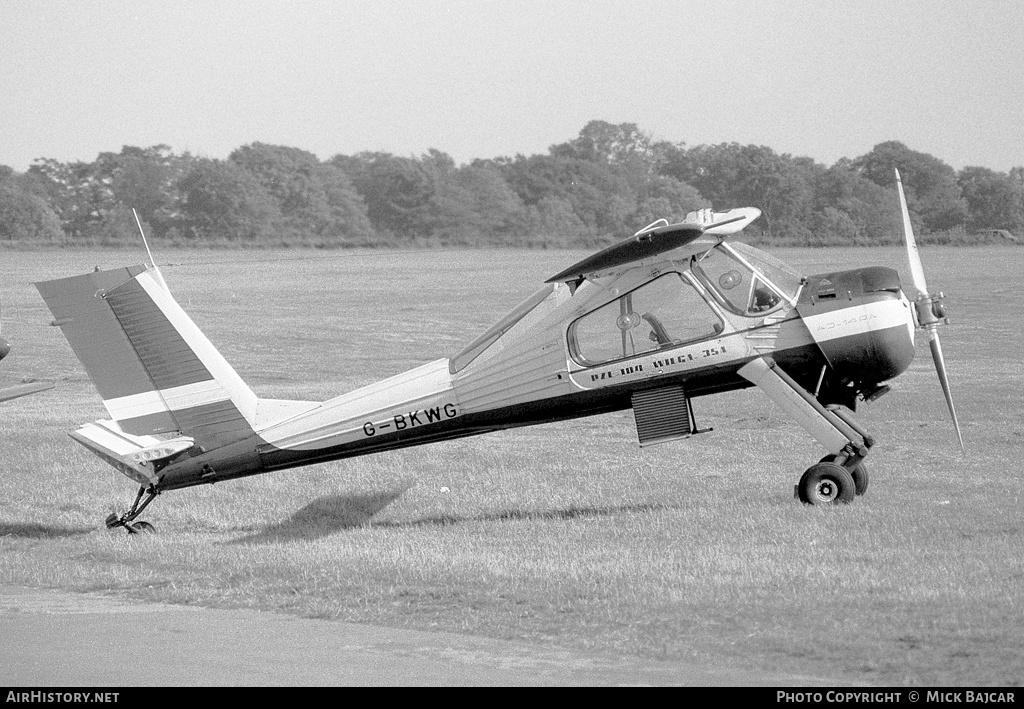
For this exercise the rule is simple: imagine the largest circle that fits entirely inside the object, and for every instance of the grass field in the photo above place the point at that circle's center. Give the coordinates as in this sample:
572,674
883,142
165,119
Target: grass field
565,534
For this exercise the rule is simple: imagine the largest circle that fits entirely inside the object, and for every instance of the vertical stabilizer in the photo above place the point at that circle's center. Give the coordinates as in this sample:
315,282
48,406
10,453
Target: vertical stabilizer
154,369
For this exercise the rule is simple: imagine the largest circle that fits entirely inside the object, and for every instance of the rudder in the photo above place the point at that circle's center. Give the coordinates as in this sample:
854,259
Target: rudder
156,372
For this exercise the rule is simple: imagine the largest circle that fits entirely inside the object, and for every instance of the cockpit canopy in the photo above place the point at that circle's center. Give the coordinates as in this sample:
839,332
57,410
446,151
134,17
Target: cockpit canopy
669,310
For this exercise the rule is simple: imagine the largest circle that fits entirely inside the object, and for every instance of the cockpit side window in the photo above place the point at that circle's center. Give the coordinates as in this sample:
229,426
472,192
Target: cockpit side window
781,275
727,278
662,313
740,289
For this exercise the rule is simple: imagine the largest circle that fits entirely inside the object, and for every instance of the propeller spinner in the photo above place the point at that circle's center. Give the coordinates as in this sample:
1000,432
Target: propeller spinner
931,310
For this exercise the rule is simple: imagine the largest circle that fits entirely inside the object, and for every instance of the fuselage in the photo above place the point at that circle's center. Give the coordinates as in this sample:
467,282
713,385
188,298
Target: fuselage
686,320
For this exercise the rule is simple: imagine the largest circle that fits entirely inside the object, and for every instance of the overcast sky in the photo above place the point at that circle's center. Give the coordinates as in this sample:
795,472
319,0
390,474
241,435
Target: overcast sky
479,78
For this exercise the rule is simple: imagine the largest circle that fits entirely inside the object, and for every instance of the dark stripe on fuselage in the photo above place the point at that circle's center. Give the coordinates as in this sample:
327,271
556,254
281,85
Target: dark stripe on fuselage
710,380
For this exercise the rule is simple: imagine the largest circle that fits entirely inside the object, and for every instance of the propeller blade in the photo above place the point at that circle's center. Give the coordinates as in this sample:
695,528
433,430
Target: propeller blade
928,317
916,269
940,369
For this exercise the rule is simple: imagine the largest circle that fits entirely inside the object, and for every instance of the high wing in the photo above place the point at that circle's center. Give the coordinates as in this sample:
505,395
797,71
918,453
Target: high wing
658,239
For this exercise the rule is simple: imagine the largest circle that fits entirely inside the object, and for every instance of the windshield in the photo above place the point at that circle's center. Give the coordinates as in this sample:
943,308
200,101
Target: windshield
745,280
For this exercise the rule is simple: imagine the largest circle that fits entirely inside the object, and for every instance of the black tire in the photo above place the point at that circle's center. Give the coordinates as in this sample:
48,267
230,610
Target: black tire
860,477
859,474
144,527
826,483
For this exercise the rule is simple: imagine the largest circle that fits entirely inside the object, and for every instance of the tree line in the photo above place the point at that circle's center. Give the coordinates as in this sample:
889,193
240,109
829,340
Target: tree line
605,184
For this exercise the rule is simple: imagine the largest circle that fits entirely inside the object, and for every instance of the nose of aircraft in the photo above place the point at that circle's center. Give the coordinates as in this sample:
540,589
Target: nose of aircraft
4,348
862,322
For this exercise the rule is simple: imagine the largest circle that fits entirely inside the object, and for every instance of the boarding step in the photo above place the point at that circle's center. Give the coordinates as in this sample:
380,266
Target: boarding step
663,415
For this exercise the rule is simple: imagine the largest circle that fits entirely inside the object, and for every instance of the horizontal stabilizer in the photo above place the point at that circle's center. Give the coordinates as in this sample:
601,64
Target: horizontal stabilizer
120,449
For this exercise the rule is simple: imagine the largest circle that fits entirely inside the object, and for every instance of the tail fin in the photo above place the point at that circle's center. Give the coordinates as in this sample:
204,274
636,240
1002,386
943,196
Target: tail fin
154,369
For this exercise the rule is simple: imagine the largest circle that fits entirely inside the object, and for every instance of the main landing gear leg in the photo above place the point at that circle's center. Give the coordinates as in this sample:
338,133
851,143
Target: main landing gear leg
127,520
838,477
857,467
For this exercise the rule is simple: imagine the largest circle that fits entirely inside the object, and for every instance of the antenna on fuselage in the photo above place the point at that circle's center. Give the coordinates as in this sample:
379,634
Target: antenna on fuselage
152,262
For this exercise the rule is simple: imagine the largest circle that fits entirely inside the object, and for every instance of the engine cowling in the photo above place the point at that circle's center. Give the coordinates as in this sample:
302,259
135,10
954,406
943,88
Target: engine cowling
864,326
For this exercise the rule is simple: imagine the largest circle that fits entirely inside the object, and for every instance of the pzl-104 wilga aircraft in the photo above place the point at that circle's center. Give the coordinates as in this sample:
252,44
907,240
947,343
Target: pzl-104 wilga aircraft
673,313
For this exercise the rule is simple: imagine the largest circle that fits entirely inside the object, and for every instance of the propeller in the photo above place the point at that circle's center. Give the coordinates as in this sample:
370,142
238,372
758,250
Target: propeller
931,311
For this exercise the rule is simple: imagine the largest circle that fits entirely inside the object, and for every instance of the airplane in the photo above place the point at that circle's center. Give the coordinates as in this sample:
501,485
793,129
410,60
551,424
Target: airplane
674,313
22,389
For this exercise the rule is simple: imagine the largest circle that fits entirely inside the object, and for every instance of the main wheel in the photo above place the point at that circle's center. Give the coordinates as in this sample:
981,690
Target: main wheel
141,527
859,474
826,483
860,477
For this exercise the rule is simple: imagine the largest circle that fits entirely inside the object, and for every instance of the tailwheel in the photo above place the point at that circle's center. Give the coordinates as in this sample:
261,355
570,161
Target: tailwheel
826,483
127,520
859,473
